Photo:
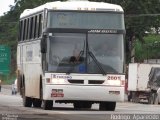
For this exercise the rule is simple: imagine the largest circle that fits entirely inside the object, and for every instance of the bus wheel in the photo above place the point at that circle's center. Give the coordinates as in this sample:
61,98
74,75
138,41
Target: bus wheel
109,106
47,104
151,98
27,101
156,102
37,102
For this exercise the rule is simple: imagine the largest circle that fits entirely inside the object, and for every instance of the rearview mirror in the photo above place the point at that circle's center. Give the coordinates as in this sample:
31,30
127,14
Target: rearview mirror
44,44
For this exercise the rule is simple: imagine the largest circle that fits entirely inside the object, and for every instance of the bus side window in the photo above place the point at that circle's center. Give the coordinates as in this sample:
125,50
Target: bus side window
24,29
30,30
33,27
29,27
36,27
27,32
20,30
39,25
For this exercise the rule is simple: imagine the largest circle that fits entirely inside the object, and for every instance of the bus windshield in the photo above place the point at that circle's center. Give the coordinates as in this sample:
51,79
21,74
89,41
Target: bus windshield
86,20
85,53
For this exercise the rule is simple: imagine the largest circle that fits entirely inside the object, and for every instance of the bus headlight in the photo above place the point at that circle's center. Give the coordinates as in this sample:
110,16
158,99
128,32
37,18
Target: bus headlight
58,81
115,79
114,82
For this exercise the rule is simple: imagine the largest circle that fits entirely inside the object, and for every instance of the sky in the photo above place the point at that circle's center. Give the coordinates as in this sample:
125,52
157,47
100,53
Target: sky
4,6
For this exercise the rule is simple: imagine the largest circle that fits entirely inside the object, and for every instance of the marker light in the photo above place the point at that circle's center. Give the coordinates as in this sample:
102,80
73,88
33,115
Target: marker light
48,80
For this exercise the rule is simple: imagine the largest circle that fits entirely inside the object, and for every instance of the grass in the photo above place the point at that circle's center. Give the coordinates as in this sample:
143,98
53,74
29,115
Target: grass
7,79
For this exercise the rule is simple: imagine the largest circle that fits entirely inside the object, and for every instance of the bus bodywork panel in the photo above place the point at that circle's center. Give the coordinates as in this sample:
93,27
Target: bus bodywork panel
29,65
86,93
74,5
84,87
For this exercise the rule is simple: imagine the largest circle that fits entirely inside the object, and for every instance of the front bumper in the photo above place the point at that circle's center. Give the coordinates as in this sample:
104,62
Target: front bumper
83,93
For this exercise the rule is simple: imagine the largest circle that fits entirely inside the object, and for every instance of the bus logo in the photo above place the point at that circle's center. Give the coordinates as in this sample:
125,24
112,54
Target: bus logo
61,76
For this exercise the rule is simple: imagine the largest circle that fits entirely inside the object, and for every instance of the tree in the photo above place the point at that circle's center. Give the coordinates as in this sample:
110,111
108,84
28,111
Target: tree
9,25
140,17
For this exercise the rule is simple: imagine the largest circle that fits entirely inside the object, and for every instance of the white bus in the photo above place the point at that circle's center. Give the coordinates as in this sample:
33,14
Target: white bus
49,38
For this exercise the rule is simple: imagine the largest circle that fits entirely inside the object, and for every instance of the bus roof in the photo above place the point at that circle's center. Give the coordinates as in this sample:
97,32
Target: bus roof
74,5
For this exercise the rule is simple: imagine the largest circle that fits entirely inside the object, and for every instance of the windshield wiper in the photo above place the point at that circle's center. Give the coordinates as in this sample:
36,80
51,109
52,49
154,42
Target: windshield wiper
97,63
81,53
93,57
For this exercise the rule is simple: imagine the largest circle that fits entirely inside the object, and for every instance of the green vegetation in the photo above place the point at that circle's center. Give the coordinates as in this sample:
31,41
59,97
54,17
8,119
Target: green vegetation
8,79
149,50
140,16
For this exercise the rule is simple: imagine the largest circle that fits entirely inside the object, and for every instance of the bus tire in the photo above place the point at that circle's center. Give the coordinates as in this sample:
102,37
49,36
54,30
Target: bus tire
151,98
22,86
47,104
109,106
129,96
41,88
27,101
156,102
37,103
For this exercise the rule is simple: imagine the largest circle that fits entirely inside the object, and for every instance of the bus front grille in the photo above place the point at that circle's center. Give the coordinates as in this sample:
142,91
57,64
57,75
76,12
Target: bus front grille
95,81
76,81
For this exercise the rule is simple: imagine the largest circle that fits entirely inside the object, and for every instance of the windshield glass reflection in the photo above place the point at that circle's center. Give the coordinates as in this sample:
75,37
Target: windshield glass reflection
64,55
108,50
78,53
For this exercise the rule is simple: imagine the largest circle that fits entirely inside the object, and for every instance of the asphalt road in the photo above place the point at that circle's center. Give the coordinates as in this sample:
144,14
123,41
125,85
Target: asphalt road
11,109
